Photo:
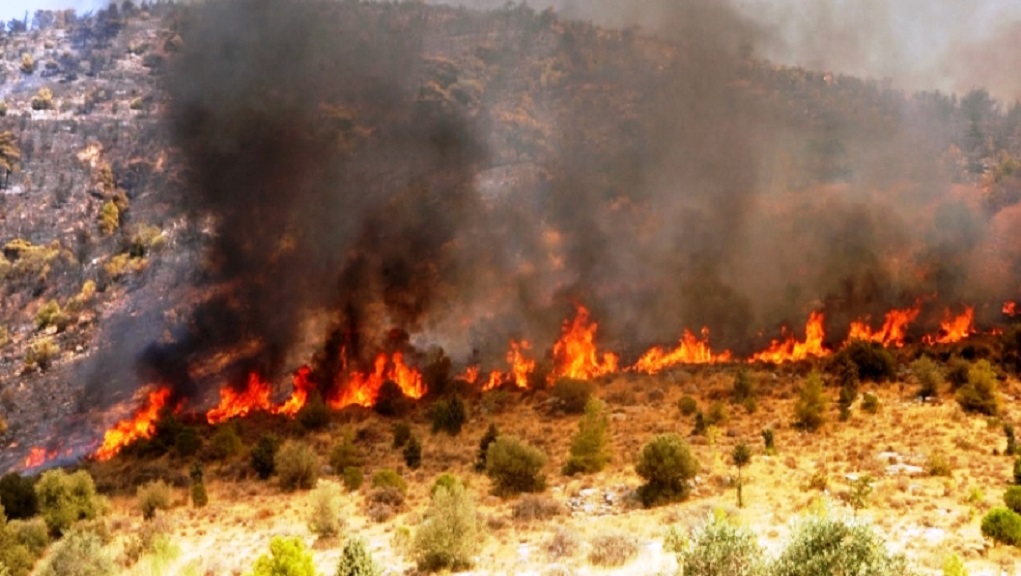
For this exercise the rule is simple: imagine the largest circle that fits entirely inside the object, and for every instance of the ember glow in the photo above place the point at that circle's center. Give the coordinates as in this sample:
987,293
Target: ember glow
690,350
362,388
791,350
954,328
894,328
302,387
141,425
233,403
575,354
521,366
37,457
1010,308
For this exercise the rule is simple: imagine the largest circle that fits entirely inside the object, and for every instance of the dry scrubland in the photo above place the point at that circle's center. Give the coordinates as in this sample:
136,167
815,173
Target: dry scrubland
921,510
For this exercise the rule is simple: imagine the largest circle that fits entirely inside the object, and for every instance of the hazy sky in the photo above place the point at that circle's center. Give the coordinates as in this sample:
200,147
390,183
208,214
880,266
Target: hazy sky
945,44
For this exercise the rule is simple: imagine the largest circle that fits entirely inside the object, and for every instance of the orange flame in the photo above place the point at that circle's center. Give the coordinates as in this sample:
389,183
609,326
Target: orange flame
363,388
521,367
299,396
690,350
495,379
1010,308
470,374
790,350
575,354
254,397
142,425
37,457
954,328
894,328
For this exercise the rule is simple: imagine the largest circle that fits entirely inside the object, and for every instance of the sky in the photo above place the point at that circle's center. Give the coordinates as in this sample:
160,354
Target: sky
951,45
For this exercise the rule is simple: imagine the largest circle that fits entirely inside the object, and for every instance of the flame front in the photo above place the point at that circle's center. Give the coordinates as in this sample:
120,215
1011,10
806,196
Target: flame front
521,367
690,350
790,350
255,397
142,425
575,354
1010,308
362,389
299,396
37,457
954,328
894,328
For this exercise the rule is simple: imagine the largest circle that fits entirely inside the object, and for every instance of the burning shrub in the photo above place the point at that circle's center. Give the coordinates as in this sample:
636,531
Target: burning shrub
450,534
488,438
687,405
17,496
666,464
287,555
613,549
263,456
153,496
809,407
873,360
449,415
413,453
719,547
66,498
589,452
355,560
297,466
344,454
80,552
402,433
929,376
353,478
821,545
515,466
571,395
391,400
324,518
315,414
1003,525
979,394
1012,498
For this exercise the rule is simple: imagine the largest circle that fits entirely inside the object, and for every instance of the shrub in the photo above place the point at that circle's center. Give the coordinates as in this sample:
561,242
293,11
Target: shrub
27,63
324,518
344,454
742,456
870,403
353,478
954,566
450,534
390,401
589,451
153,496
288,556
613,549
15,556
80,553
263,456
768,441
66,498
744,389
666,464
315,414
43,100
31,534
297,466
821,546
929,376
448,415
564,542
446,480
873,360
109,218
17,496
533,507
717,414
515,466
1011,449
809,407
1017,470
402,433
199,496
388,492
1002,525
937,464
40,354
957,372
355,560
979,394
571,395
719,548
488,438
687,405
187,442
50,314
413,453
1012,498
225,442
858,496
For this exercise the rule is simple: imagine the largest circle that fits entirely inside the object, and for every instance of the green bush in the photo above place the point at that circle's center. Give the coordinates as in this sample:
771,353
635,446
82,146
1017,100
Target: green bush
153,496
954,566
687,405
572,395
717,414
199,496
353,478
719,548
744,389
40,354
515,466
666,464
870,403
80,553
1012,498
402,433
937,464
613,549
768,441
324,518
979,394
445,480
930,377
589,452
109,218
492,433
387,478
1017,470
413,453
297,466
187,442
1011,449
390,401
17,496
957,372
66,498
263,456
532,507
822,546
1002,525
355,560
875,363
287,556
225,442
345,454
32,534
50,314
15,556
450,534
808,411
315,414
449,415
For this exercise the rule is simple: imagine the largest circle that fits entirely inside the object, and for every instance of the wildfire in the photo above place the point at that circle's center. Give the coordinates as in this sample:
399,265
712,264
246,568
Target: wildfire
37,457
790,350
233,403
575,354
302,387
690,350
954,328
470,374
894,328
141,425
1010,308
521,367
363,388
